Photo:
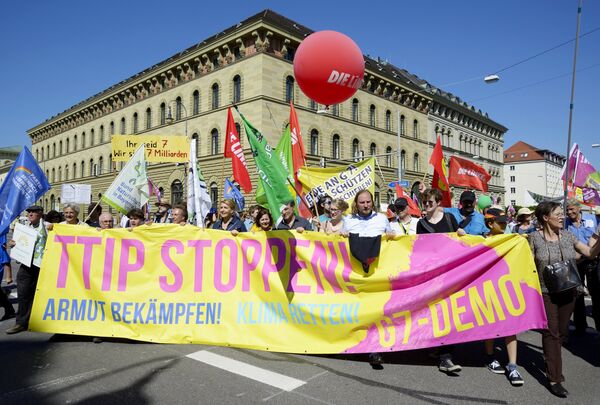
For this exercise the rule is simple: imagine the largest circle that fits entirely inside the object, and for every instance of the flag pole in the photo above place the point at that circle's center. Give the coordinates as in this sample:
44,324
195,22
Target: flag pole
298,194
93,209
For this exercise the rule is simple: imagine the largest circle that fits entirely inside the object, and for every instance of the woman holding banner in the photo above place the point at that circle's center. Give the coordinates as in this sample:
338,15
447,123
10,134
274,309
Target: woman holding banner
264,221
334,224
554,246
228,220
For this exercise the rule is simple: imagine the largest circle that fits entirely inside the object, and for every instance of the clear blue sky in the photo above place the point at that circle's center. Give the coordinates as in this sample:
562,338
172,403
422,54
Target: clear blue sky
57,53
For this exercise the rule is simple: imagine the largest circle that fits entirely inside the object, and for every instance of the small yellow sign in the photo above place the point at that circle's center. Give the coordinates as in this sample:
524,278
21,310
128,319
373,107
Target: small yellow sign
159,148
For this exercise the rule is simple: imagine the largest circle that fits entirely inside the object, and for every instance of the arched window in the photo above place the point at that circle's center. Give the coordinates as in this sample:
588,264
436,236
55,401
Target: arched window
101,133
82,172
214,141
122,129
239,131
355,109
214,194
148,118
314,142
163,113
178,108
135,123
313,105
66,172
92,171
237,88
176,192
60,173
388,120
112,127
54,149
42,154
388,156
110,164
92,137
335,147
403,159
402,125
416,162
215,96
415,129
52,202
74,170
372,115
373,149
53,175
196,102
74,143
289,89
83,140
196,139
60,148
355,148
48,151
100,166
67,146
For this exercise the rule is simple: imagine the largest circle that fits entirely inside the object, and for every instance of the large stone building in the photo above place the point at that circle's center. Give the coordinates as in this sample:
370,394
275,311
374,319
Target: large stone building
250,64
532,169
8,155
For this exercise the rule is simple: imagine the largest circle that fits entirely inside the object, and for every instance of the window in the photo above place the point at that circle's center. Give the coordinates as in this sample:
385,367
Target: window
511,168
66,146
215,96
335,110
195,139
83,140
148,118
112,127
513,202
60,148
101,133
52,202
54,150
314,142
214,194
403,159
373,149
416,162
237,88
415,129
196,102
135,123
53,176
372,115
122,129
178,108
92,137
512,178
335,147
313,105
67,172
176,192
289,89
513,190
74,170
388,120
355,148
355,109
214,141
48,151
110,164
82,172
388,156
92,171
402,126
163,113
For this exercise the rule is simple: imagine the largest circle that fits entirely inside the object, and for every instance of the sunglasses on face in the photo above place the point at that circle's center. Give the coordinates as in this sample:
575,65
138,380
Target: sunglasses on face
432,203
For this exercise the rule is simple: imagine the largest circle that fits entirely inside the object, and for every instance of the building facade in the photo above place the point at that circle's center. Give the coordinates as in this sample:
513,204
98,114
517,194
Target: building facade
249,65
528,168
8,155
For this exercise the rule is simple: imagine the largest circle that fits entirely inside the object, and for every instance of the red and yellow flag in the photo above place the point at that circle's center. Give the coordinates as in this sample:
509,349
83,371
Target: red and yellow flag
440,179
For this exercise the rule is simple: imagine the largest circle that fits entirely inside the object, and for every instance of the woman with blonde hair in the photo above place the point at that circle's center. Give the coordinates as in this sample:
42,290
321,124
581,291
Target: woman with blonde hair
334,224
228,219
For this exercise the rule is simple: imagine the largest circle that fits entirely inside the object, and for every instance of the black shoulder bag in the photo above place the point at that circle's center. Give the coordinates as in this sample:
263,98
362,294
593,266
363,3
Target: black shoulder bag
560,276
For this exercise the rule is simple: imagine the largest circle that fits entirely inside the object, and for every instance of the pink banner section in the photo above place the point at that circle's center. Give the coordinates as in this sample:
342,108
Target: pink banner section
454,292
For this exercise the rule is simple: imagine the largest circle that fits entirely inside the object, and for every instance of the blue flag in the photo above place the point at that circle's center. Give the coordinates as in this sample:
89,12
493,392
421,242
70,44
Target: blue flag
23,186
232,192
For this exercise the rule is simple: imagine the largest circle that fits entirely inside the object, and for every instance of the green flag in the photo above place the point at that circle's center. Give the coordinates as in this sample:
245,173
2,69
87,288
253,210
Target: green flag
271,172
284,153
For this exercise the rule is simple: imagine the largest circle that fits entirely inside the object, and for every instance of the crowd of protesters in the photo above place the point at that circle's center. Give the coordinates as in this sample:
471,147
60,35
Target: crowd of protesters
550,240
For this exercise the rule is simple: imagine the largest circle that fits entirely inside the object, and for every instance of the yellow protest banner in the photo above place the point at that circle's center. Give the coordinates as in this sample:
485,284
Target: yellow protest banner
338,182
159,148
284,291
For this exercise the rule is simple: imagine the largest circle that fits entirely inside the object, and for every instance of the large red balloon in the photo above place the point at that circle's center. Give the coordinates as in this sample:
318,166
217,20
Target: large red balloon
329,67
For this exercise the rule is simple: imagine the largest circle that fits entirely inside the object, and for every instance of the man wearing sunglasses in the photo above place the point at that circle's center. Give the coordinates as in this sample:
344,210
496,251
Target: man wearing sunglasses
468,219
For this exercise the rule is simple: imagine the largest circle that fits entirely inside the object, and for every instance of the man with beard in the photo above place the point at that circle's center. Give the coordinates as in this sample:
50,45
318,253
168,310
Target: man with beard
468,219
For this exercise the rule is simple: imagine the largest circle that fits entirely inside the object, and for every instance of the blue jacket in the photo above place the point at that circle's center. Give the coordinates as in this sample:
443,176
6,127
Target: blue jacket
235,223
477,224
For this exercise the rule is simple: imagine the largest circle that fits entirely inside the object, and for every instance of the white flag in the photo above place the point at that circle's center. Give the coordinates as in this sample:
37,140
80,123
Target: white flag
199,202
130,188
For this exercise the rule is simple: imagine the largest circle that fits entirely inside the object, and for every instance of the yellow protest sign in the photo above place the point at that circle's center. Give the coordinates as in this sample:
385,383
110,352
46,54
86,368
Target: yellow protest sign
159,148
284,291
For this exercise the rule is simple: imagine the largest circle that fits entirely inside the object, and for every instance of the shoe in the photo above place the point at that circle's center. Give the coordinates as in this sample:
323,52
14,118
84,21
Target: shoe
16,329
8,315
375,359
447,366
97,340
495,367
514,377
558,390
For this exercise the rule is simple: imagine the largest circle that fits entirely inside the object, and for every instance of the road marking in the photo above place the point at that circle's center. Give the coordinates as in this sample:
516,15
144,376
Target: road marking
262,375
58,381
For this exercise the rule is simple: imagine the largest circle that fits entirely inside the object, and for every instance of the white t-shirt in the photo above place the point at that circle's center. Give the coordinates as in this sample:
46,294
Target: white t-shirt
405,229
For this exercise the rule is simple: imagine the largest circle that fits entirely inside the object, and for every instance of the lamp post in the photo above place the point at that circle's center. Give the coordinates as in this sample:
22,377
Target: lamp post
596,145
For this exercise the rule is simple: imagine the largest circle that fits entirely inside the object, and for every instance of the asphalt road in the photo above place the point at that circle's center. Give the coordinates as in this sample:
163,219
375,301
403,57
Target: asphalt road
62,369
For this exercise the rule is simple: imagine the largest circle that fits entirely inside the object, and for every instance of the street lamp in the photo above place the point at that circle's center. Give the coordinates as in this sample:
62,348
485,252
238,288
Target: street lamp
596,145
491,79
